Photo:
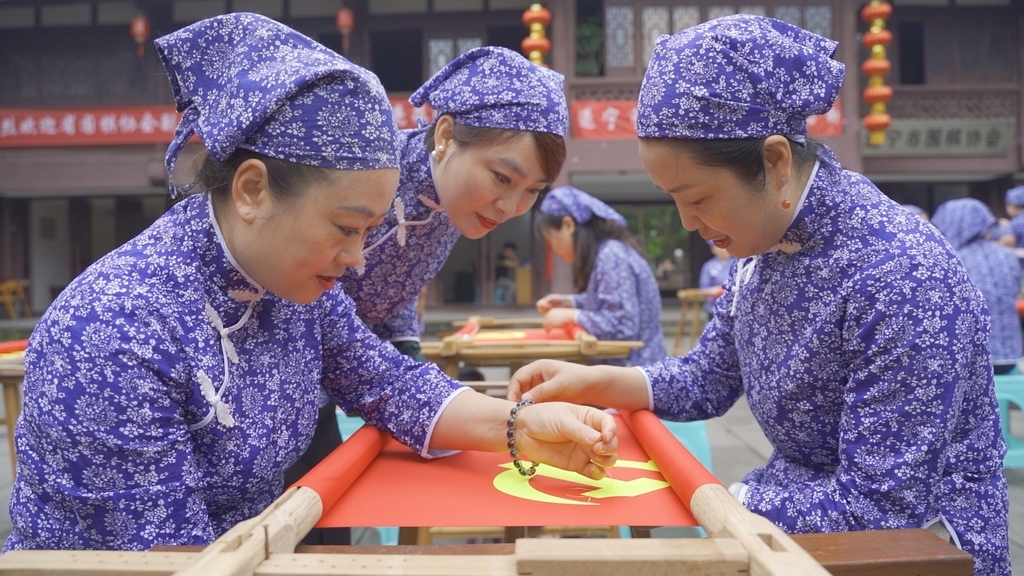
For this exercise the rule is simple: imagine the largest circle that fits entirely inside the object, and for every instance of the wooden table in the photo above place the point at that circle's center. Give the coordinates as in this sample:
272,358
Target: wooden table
484,341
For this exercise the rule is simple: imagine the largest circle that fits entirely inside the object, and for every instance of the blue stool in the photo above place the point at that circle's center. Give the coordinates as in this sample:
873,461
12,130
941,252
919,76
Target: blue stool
1010,390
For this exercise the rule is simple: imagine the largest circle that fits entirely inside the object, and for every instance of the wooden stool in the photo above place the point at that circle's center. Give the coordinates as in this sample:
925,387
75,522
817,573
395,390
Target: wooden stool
692,302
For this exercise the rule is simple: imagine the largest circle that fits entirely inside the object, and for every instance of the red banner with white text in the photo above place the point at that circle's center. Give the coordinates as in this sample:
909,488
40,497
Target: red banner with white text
616,119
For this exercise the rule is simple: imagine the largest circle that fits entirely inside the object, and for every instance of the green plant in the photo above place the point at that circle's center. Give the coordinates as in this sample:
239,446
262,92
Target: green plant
589,46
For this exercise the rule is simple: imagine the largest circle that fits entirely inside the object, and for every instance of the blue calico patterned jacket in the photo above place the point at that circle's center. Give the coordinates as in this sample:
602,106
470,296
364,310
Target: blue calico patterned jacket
864,357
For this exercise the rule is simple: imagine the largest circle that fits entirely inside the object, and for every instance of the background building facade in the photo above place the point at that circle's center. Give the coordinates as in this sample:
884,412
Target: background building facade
86,112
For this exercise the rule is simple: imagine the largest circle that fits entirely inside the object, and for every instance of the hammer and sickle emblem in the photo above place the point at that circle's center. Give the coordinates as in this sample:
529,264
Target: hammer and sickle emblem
513,483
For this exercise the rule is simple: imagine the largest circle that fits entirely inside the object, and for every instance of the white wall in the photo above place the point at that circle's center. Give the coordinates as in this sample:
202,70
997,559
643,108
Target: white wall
49,256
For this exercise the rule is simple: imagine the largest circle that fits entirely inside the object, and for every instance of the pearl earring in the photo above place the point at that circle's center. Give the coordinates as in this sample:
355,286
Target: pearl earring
440,147
785,204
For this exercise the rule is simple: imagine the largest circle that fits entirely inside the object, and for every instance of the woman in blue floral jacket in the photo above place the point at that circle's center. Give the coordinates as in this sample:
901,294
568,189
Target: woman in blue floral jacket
849,324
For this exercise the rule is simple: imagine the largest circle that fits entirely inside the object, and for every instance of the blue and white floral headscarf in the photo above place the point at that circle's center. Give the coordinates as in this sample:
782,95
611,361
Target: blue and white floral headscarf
569,201
1015,196
246,81
737,77
494,87
963,220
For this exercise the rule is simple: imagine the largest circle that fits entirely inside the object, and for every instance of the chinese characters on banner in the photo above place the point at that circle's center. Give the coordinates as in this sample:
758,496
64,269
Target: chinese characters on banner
87,126
603,119
945,137
616,119
27,127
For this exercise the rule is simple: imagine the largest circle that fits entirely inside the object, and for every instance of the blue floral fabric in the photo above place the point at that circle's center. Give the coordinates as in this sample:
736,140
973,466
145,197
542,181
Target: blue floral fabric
406,251
994,269
622,302
244,80
739,76
166,393
864,357
494,87
569,201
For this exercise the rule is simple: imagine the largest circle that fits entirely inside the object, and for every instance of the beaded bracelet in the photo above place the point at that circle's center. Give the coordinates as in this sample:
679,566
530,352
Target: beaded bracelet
511,434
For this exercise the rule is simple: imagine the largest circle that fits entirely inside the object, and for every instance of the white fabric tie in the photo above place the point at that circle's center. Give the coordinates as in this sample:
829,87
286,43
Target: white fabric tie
218,408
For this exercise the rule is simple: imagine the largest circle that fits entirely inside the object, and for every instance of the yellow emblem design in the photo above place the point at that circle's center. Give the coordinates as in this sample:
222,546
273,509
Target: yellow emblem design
513,483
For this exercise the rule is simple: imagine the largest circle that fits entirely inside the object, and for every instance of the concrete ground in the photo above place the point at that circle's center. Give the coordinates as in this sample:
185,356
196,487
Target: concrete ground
737,444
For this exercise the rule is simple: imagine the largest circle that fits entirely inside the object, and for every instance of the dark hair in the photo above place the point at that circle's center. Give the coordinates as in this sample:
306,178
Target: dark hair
287,180
550,147
586,239
743,156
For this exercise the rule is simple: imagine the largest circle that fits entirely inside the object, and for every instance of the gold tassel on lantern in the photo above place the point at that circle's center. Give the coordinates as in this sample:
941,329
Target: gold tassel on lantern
536,45
875,68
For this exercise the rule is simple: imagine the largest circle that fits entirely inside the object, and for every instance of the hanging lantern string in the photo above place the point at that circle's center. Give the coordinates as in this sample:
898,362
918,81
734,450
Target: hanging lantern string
140,33
876,94
536,45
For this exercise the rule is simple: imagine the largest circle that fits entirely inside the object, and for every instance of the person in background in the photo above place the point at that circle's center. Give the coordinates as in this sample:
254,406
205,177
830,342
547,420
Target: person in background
170,385
617,296
916,210
965,223
505,275
714,272
848,323
1015,209
1003,235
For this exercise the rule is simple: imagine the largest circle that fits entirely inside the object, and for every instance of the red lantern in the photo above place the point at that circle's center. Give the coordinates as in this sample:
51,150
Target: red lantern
873,94
877,122
873,12
140,33
530,44
345,22
882,37
876,67
540,15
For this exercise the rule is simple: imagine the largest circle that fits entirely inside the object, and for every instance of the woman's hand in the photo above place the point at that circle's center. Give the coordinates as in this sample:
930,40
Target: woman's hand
554,301
571,437
552,380
559,318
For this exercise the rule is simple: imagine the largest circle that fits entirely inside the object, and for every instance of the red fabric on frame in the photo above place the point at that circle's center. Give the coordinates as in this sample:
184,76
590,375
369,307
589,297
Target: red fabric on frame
401,489
683,470
336,473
